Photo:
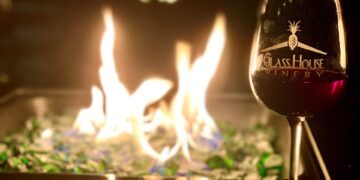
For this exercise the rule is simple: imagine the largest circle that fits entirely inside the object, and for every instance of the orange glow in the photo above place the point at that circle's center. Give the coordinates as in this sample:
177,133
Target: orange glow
118,111
90,118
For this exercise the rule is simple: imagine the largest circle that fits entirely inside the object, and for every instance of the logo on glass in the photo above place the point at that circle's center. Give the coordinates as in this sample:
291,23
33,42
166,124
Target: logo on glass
293,41
295,58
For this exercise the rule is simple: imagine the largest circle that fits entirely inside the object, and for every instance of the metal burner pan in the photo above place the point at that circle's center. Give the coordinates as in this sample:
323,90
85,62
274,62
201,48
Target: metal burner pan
240,110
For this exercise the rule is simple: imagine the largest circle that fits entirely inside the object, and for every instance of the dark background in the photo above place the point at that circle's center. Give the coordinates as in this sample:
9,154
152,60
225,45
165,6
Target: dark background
55,44
337,130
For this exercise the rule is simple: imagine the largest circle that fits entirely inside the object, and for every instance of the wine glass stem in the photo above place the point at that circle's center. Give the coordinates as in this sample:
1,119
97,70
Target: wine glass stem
296,134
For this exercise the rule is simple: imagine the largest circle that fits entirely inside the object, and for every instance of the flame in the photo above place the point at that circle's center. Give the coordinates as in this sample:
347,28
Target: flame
202,72
118,111
116,94
90,118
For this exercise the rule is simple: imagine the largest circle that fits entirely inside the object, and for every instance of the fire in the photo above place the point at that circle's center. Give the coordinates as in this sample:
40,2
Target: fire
115,111
90,118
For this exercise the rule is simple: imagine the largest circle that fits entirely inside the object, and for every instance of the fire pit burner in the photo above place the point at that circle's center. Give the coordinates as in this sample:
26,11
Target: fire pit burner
245,154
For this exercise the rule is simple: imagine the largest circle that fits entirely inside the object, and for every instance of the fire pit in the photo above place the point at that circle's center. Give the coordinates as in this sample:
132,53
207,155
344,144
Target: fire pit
152,132
37,102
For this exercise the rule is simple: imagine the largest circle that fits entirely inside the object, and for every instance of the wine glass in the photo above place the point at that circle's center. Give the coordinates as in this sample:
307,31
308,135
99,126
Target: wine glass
298,62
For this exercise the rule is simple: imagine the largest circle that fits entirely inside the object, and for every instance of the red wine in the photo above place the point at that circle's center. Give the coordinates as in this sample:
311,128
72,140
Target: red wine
298,92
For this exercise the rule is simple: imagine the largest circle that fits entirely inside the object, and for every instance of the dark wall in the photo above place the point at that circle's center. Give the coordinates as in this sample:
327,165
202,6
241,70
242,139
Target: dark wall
46,43
56,43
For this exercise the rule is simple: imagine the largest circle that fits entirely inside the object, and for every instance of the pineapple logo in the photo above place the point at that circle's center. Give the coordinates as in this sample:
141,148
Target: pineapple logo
293,41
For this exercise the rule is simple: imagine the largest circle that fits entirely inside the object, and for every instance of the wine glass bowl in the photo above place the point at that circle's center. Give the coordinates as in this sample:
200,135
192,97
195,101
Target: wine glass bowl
298,61
298,96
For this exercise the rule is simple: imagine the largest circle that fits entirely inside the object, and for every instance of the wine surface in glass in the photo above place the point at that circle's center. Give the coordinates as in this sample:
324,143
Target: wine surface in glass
298,92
